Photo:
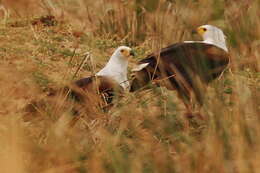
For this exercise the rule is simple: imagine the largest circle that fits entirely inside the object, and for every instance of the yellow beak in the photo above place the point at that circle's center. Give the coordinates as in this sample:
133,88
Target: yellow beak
200,31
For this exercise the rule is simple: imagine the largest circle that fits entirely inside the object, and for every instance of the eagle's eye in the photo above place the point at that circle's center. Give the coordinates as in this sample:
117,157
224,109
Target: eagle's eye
204,29
122,50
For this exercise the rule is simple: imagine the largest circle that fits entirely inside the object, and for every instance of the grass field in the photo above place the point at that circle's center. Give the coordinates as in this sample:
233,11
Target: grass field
144,131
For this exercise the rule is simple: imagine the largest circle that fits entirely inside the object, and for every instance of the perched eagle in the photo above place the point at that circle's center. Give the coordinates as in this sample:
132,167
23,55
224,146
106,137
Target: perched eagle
109,80
186,66
91,93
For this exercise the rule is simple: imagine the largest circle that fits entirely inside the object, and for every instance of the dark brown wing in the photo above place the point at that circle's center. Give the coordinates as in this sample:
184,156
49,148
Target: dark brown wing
86,95
103,86
186,66
206,60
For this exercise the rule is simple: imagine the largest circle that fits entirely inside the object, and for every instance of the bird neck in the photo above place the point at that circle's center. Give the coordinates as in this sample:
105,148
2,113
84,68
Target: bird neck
217,41
117,64
116,68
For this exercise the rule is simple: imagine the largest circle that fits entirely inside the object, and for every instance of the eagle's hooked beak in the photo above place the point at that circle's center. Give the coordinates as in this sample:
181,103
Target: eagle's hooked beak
201,30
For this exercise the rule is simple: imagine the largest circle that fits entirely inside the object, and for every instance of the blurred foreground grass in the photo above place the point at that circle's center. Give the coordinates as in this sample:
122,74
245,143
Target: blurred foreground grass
144,131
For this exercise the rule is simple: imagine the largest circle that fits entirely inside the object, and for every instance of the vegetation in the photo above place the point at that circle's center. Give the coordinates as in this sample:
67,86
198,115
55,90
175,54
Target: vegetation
144,131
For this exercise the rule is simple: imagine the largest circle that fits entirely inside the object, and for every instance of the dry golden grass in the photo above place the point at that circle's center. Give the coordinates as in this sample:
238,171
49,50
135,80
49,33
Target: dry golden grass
144,131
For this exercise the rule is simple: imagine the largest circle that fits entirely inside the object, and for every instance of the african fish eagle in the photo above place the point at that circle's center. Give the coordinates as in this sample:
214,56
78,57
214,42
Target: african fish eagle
88,94
186,66
111,78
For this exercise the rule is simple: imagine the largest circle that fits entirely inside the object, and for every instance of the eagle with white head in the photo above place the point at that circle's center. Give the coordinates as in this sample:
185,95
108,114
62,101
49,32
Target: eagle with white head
116,67
186,66
111,78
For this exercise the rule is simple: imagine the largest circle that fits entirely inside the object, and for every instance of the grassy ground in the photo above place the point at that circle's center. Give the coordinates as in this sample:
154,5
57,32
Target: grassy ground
144,131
